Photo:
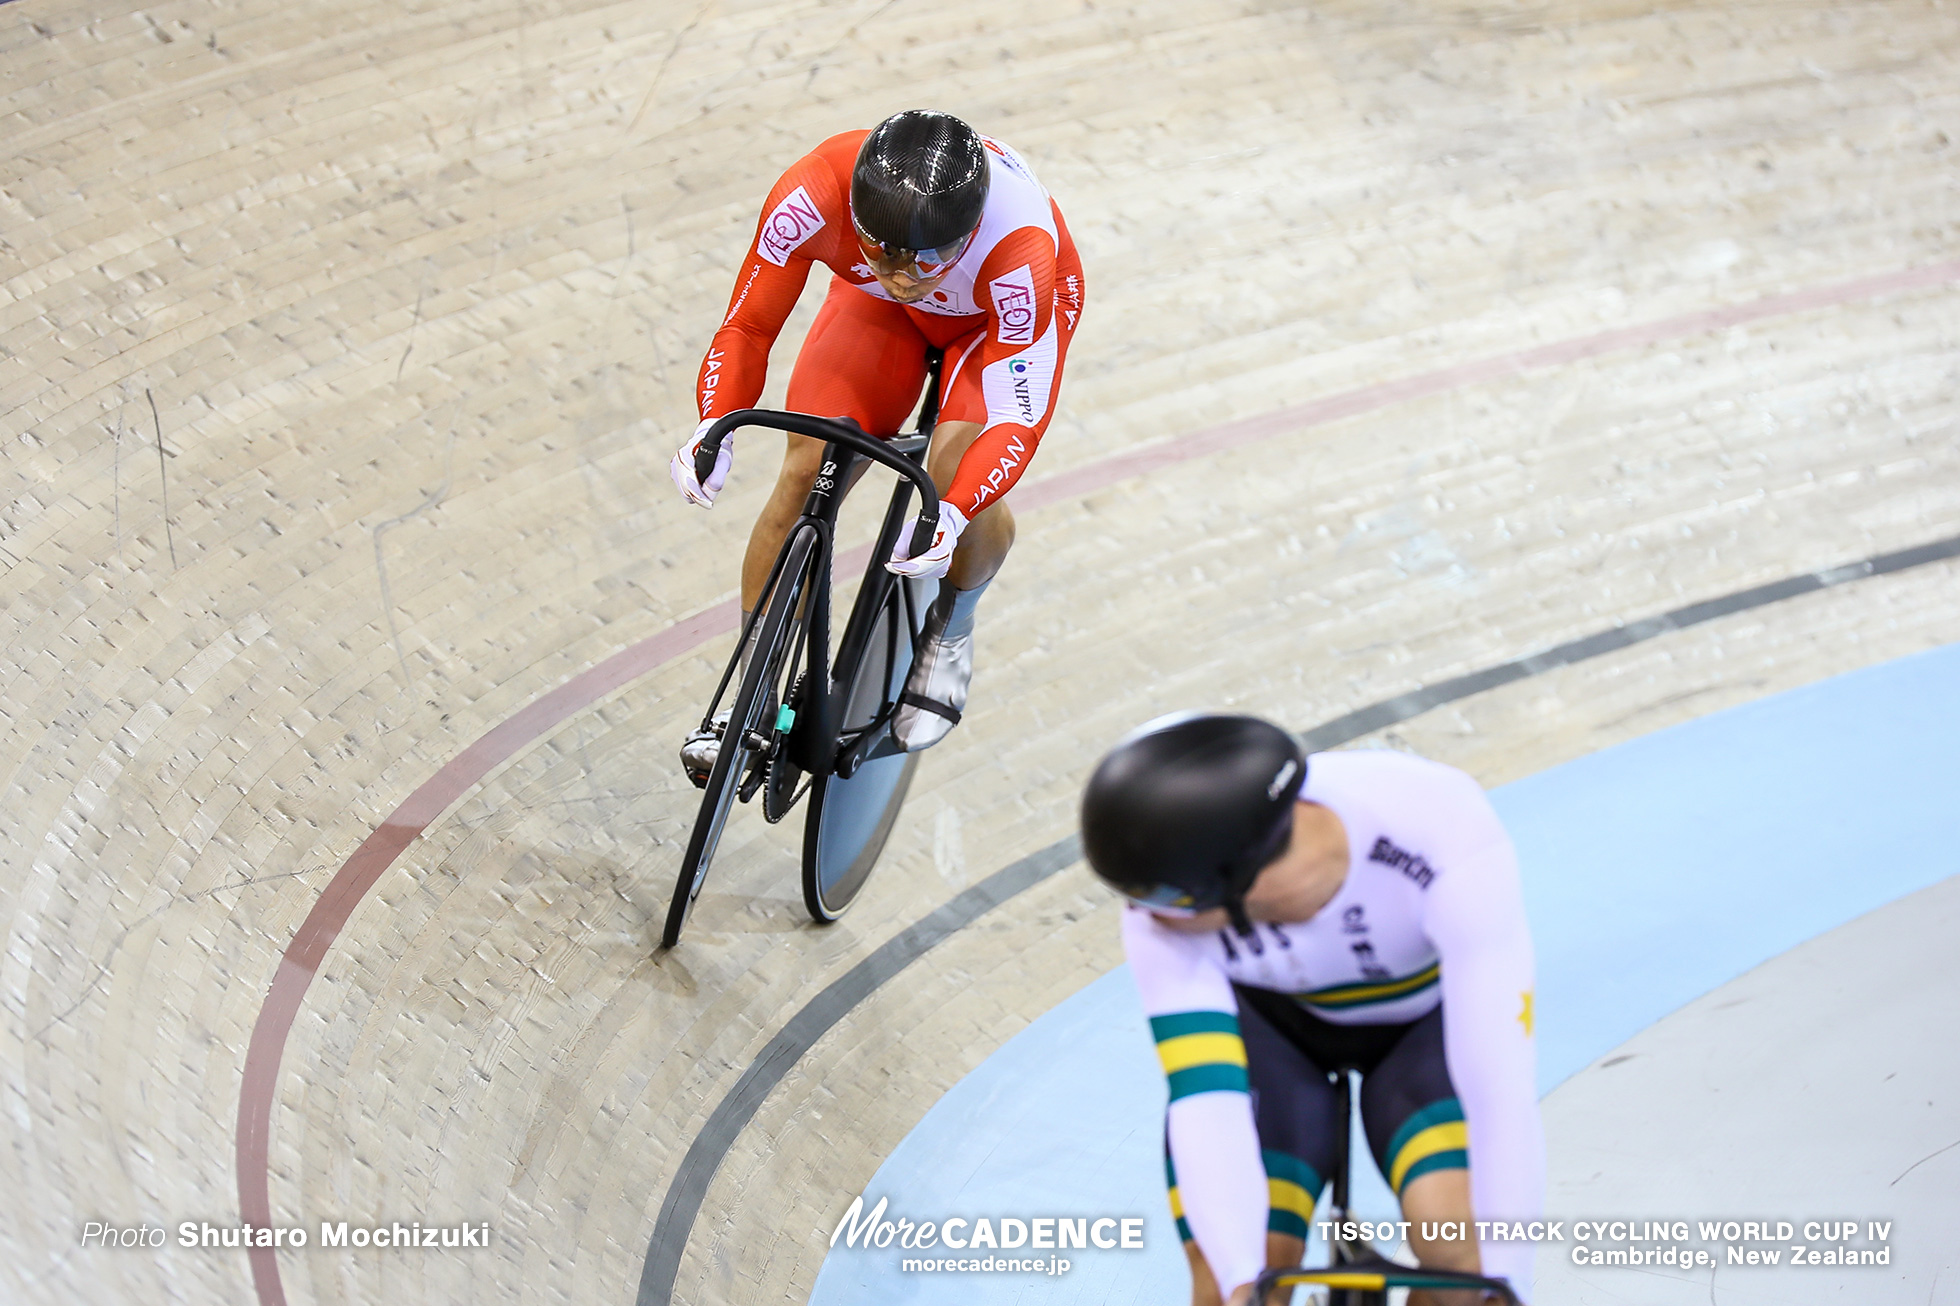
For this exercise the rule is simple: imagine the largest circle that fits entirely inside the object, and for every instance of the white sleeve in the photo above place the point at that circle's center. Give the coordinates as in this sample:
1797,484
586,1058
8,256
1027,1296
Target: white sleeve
1475,917
1214,1145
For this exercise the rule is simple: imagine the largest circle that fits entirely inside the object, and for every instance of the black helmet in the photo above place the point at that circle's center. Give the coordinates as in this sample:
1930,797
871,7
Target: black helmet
1185,812
920,182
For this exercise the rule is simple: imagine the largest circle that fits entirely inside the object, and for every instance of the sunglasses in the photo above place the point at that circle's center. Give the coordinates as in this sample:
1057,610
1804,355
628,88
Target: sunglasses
920,264
1165,900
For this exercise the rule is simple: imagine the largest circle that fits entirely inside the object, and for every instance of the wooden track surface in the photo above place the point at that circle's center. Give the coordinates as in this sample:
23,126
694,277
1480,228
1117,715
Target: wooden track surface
1843,1007
419,292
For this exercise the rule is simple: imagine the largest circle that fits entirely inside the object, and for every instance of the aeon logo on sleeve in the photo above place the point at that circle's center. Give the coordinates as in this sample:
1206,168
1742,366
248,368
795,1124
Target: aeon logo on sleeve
1013,294
788,225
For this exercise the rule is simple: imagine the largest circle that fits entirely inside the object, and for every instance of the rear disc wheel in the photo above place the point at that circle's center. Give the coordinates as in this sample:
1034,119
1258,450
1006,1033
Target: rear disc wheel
851,817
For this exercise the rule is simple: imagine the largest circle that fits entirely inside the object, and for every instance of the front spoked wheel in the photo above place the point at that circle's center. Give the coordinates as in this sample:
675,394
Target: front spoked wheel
754,730
851,816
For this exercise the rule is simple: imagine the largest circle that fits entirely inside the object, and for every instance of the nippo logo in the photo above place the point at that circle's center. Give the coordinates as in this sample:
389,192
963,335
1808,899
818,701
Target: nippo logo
1014,302
788,225
1023,398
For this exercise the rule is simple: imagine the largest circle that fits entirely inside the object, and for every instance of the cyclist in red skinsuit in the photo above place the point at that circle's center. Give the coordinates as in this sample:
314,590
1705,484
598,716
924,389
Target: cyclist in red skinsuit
1003,304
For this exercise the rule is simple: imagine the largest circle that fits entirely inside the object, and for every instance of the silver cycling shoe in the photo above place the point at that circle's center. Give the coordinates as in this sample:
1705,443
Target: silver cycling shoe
935,692
701,747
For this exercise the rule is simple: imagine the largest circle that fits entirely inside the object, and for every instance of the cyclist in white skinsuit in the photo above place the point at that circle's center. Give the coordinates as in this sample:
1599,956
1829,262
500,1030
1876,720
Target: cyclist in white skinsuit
1379,924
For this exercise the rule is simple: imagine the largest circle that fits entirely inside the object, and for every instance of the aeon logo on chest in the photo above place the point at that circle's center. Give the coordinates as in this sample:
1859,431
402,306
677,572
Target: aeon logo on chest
1013,294
788,225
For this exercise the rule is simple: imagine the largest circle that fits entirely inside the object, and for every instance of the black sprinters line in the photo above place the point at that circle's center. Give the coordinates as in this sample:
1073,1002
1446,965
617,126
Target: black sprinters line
684,1196
1391,711
698,1167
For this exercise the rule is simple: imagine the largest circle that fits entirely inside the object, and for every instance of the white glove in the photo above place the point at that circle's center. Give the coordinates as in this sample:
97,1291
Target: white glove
933,563
682,468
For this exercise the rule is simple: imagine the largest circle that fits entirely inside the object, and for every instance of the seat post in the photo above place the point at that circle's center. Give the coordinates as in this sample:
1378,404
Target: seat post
929,406
1344,1076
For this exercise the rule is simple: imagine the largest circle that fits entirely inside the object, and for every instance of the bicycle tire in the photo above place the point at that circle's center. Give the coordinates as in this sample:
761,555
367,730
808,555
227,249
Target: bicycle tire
850,818
766,668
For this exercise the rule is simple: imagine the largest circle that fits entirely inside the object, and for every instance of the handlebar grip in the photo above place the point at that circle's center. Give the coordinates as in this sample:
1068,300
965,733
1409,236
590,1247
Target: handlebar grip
924,529
709,449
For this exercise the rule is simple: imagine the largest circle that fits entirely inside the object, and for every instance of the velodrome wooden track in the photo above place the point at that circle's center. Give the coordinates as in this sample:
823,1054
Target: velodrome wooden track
1570,314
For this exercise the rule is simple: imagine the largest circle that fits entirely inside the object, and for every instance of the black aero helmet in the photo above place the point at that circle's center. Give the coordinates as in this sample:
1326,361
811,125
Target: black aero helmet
1184,813
920,182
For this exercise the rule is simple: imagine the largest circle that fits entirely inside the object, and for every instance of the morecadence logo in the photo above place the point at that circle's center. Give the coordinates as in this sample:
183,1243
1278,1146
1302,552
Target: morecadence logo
981,1238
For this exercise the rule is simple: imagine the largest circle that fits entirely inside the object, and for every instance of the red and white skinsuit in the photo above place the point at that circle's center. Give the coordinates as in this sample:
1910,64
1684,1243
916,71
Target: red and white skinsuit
1004,315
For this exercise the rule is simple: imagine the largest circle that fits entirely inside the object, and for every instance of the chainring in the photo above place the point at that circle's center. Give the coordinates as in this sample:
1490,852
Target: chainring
779,791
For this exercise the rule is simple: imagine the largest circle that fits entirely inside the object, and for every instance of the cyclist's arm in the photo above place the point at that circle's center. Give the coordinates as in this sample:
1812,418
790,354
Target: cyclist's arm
1221,1181
1017,357
1475,917
799,223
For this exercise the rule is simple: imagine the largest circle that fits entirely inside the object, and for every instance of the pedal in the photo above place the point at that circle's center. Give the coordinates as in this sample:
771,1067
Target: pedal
699,749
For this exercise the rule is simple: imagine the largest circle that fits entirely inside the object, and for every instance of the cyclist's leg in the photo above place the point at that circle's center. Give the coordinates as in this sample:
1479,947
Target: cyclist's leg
1435,1197
1415,1129
936,690
1297,1113
801,459
863,359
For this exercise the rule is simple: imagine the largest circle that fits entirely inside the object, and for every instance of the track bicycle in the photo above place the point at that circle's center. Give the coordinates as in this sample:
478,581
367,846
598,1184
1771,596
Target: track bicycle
804,720
1358,1275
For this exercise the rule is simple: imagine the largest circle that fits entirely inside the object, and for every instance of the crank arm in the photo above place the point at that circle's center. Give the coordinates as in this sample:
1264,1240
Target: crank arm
874,742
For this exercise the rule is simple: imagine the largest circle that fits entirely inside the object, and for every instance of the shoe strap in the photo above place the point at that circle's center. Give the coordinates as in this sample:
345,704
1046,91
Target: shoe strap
931,705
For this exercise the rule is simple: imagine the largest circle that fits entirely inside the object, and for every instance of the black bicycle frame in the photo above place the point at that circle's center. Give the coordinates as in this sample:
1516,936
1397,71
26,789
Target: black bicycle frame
846,445
863,624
